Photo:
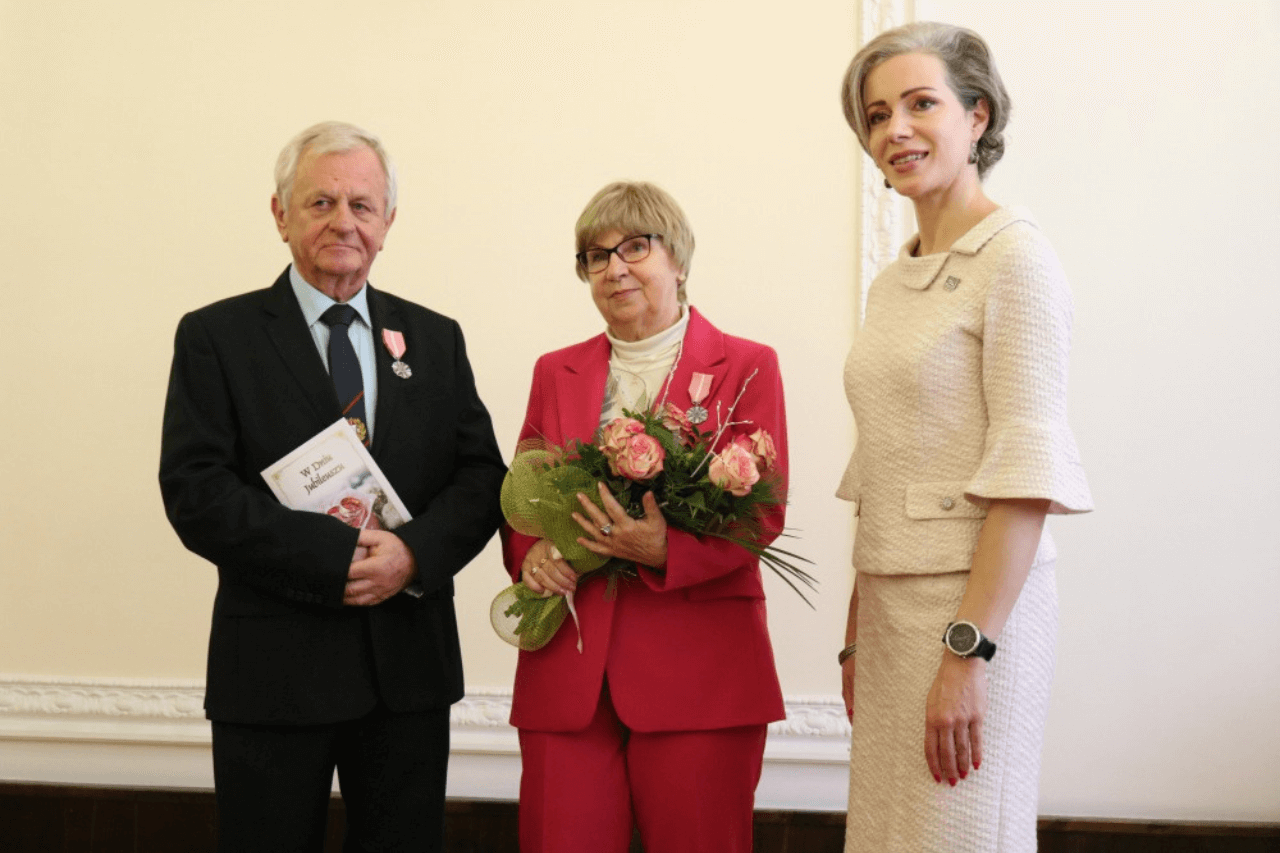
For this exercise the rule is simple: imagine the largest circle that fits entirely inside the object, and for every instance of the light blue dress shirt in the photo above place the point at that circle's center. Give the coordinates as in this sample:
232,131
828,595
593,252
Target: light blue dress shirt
314,303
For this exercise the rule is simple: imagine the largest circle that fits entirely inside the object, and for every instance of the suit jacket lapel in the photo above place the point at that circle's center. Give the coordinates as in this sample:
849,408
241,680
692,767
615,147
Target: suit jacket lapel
703,352
288,331
580,385
383,313
580,391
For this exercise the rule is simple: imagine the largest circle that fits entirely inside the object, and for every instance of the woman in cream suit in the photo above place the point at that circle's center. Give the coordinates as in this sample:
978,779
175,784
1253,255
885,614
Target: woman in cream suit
957,382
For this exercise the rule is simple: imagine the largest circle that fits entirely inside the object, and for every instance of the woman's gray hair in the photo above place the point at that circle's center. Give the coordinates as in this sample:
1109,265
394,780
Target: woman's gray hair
636,207
971,73
331,137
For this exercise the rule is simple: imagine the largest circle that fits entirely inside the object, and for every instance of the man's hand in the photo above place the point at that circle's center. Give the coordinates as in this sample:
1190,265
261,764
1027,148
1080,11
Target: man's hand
386,568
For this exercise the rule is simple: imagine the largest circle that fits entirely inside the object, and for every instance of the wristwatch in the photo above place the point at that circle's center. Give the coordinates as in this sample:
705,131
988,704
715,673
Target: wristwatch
963,639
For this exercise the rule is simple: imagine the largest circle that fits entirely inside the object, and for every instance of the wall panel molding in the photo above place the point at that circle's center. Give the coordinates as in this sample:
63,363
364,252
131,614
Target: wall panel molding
71,730
106,710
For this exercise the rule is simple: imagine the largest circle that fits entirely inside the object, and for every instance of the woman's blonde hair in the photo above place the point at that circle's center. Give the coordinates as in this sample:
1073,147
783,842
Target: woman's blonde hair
637,207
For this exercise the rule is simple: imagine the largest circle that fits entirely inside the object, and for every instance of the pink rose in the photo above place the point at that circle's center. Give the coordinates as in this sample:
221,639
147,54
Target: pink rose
640,459
354,511
763,450
677,421
734,470
615,434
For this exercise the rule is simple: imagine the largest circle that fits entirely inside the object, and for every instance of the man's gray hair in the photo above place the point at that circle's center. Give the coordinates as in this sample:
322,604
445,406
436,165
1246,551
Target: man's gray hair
331,137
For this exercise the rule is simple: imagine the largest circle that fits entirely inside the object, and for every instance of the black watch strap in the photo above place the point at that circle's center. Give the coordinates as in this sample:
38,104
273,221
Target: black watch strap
985,650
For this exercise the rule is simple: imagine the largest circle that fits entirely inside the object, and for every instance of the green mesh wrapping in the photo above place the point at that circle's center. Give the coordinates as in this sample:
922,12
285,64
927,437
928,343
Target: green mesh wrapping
524,619
538,499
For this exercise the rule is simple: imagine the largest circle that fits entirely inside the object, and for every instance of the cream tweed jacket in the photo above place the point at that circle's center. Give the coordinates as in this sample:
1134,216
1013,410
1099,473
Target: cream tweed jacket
958,384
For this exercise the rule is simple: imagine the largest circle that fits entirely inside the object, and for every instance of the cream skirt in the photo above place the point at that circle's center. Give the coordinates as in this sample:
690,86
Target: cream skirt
894,804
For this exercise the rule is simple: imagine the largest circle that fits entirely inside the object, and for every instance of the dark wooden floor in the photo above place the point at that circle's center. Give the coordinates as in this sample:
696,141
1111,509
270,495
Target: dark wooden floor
57,819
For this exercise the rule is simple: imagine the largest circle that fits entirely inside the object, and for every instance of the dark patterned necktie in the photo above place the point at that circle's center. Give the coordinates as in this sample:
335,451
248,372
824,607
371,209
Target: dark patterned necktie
344,367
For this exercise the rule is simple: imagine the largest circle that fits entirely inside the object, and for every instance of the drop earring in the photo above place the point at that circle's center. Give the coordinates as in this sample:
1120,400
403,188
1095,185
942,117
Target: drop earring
973,153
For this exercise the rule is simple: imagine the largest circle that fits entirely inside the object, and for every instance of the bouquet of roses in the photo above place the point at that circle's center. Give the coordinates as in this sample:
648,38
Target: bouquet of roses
726,494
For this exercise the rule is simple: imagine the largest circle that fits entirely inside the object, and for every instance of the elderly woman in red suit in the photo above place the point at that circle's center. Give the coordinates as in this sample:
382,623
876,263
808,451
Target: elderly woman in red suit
659,722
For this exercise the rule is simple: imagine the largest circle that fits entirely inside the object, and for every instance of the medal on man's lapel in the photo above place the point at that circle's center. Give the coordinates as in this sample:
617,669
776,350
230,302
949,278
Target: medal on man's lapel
699,385
394,342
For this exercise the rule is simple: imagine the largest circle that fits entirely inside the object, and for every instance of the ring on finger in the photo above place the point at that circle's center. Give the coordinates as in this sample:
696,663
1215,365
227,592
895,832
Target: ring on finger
534,570
607,529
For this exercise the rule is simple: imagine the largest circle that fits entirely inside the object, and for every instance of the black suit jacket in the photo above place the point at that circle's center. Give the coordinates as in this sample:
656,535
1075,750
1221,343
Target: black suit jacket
247,386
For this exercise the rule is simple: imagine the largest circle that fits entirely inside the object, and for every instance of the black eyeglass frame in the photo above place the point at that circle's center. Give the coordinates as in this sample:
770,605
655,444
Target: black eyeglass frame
649,238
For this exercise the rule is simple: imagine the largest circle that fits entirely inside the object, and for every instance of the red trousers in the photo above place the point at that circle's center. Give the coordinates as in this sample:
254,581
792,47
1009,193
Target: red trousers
689,792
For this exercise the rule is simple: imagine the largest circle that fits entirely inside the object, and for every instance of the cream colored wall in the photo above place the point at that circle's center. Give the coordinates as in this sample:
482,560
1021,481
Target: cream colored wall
139,142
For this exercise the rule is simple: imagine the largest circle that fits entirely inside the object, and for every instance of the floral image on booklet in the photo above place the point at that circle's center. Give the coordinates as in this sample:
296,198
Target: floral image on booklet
334,474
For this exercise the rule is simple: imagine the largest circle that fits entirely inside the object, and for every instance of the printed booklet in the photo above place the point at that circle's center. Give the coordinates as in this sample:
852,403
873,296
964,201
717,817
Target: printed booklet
333,473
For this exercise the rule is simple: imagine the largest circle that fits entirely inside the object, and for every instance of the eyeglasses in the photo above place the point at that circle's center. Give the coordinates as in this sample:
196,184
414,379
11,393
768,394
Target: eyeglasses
630,250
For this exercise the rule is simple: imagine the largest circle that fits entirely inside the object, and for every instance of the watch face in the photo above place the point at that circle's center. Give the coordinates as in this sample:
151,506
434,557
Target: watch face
962,638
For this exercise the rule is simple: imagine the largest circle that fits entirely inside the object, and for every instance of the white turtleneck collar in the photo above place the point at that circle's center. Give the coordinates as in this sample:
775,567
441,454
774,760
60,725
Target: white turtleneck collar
639,369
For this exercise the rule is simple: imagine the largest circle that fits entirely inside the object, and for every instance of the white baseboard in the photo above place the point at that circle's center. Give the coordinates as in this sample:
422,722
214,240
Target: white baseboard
152,733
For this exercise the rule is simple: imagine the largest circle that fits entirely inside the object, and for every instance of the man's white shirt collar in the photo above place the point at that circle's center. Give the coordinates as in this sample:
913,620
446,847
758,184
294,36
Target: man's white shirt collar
314,303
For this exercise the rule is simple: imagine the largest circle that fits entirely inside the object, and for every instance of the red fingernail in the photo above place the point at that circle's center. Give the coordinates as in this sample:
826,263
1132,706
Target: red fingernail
964,774
975,764
953,782
937,778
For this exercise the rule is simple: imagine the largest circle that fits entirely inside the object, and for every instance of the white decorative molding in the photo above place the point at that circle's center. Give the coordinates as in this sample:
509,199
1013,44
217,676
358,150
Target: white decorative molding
152,732
881,15
881,213
482,707
106,710
109,698
69,707
818,717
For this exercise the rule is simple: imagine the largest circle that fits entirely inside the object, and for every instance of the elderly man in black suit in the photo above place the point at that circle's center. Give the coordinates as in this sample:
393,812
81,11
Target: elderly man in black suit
330,647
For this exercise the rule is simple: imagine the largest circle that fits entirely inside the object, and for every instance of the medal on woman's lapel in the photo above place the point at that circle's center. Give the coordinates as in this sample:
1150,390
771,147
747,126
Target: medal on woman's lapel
699,386
394,342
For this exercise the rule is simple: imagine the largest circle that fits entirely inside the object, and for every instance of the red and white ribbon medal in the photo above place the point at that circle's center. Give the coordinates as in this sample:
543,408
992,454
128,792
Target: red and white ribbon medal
394,342
699,386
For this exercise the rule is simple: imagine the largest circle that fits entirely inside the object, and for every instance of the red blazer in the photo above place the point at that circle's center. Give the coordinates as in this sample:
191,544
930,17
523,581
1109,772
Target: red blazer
686,649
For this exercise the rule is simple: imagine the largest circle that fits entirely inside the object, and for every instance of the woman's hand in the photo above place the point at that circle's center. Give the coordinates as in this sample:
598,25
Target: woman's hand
848,665
613,533
957,701
846,683
954,712
545,571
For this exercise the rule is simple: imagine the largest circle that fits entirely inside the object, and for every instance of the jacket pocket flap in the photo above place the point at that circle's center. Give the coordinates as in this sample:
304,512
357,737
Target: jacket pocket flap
941,500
